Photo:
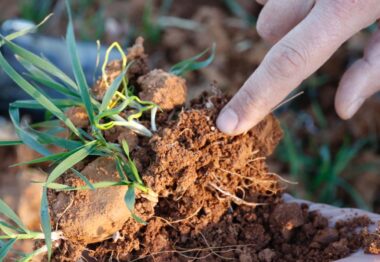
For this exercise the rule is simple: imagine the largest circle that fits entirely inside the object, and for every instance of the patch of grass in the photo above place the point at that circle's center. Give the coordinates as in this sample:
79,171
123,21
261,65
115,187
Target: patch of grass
193,63
240,12
318,171
35,10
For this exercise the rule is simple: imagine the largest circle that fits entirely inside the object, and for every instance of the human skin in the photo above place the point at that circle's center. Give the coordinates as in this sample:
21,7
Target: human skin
305,34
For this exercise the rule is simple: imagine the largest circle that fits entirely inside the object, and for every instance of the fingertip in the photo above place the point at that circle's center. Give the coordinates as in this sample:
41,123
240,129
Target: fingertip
349,111
227,121
351,92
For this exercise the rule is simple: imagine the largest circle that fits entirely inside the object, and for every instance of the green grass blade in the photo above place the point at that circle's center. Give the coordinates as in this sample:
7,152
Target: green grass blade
130,198
192,64
111,91
46,138
355,195
346,153
41,63
48,158
78,70
125,148
240,12
9,213
30,256
37,95
138,219
32,104
52,84
45,221
74,158
131,168
25,137
46,124
8,229
130,201
39,76
102,184
26,31
81,176
11,143
6,248
120,169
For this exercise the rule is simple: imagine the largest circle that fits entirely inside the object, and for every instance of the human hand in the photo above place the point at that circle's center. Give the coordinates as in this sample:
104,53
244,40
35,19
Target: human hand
306,33
334,214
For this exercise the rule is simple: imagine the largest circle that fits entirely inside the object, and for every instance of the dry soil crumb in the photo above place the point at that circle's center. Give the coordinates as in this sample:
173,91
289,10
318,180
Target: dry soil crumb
372,241
164,89
78,116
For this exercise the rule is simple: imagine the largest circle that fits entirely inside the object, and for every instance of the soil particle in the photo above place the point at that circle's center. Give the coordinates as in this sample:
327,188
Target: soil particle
326,236
372,241
119,133
267,255
164,89
139,67
78,116
286,217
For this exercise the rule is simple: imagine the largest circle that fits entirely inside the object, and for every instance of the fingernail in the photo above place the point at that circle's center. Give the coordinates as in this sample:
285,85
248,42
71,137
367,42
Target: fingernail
355,105
227,121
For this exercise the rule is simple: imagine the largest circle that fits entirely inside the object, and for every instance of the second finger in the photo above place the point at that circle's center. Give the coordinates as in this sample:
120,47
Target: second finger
278,17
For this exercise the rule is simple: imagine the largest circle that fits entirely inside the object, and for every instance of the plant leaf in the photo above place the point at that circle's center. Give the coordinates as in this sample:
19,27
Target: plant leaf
36,252
46,138
81,176
25,31
6,248
45,221
51,157
102,184
78,70
33,104
7,229
36,94
75,157
41,63
9,213
25,137
43,78
192,64
11,143
130,198
111,90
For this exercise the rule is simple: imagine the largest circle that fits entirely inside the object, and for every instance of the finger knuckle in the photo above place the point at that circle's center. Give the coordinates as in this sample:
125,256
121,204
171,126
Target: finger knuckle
345,8
286,61
246,101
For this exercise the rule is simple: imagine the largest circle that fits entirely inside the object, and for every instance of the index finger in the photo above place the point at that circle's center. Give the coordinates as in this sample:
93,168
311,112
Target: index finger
297,55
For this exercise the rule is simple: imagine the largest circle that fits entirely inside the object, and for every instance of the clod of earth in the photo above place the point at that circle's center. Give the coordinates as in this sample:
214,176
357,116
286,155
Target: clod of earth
92,216
217,199
164,89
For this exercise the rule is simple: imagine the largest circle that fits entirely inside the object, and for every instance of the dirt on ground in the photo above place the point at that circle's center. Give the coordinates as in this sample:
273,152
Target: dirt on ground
217,199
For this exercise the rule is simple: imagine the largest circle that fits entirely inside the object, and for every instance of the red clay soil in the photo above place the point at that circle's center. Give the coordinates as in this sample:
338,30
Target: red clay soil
217,199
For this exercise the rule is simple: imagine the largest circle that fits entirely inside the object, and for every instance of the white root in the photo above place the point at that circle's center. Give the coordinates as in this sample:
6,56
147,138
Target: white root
235,199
